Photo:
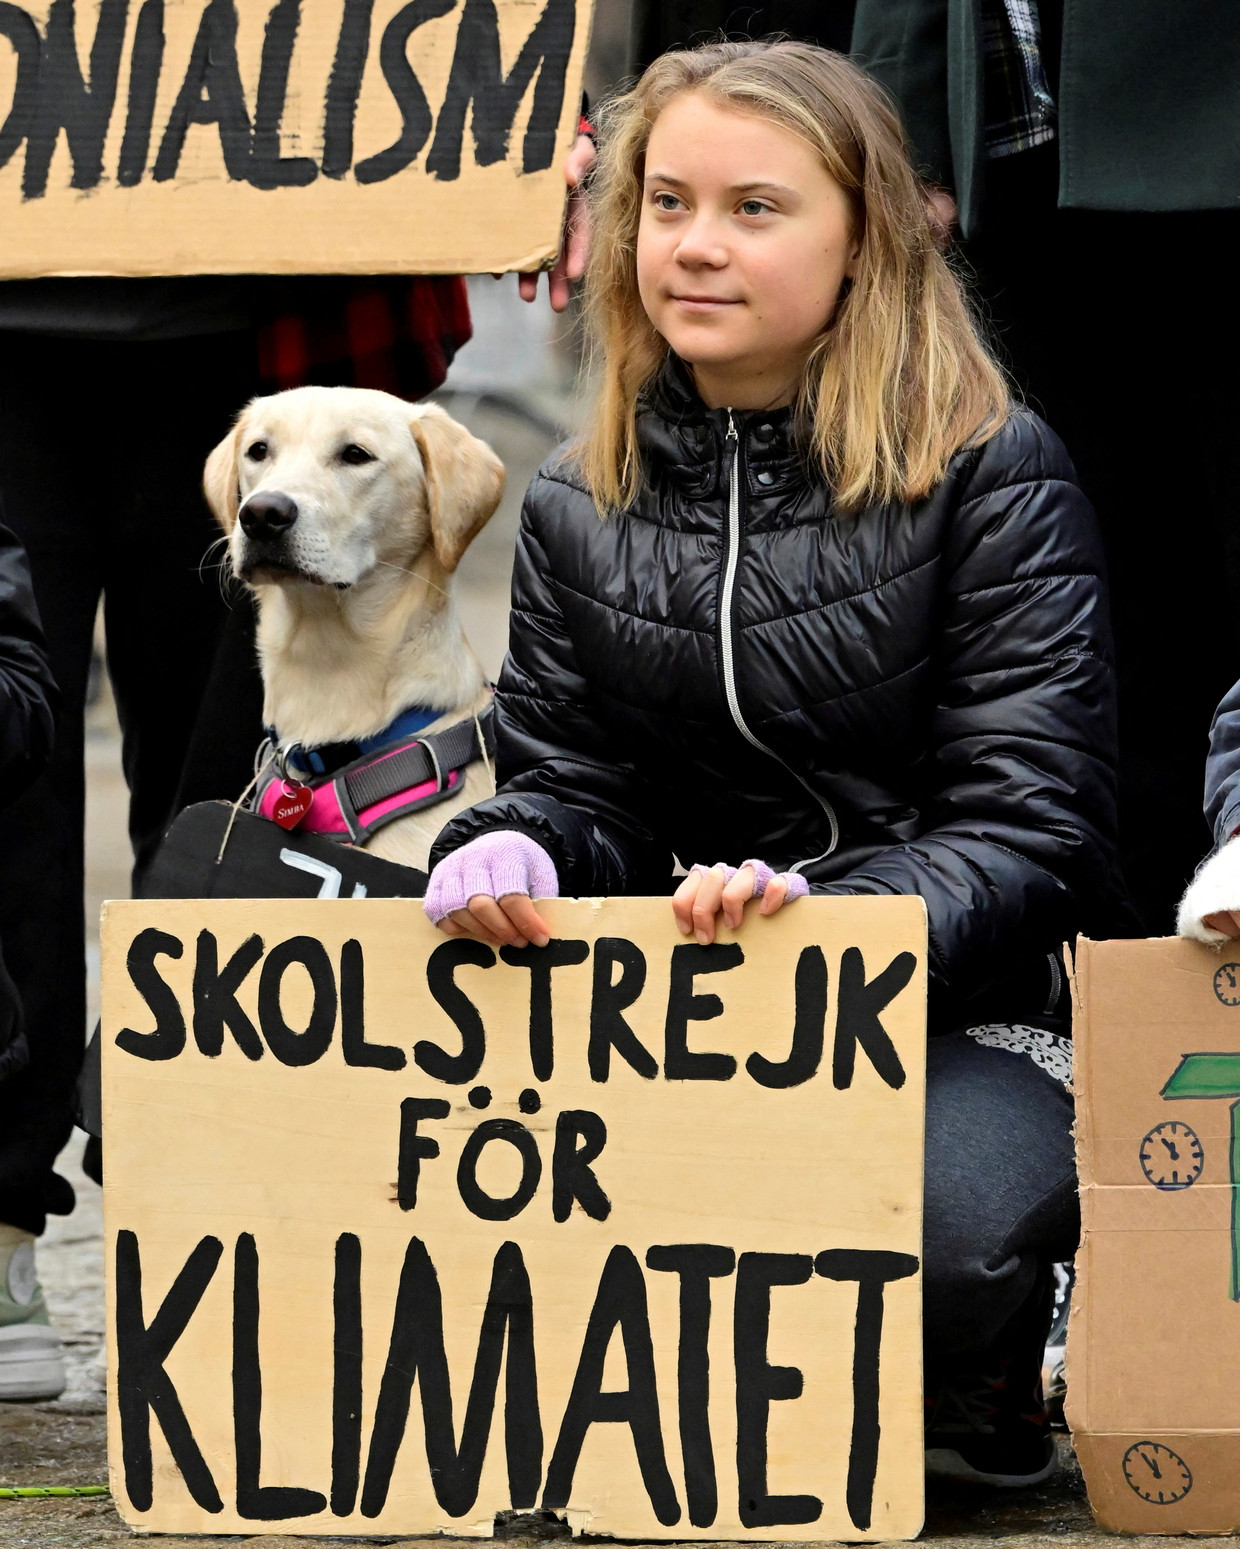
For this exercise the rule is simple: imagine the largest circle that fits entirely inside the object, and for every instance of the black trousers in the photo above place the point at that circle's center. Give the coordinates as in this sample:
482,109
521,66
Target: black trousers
102,447
1000,1197
1123,331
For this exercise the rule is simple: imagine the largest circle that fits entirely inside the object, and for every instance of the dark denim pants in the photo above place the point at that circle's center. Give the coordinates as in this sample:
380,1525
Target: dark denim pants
1001,1193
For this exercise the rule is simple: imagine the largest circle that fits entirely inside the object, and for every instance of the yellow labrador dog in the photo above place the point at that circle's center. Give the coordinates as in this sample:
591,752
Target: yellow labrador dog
348,511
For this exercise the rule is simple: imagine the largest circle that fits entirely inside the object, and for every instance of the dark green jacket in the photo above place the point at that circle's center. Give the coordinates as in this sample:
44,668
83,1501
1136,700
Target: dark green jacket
1149,98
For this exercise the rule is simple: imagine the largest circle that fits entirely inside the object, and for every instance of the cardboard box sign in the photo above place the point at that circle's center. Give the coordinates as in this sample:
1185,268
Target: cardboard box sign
285,136
1154,1337
403,1232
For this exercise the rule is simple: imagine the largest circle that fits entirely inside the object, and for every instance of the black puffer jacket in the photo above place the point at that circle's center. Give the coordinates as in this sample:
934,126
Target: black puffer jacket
909,699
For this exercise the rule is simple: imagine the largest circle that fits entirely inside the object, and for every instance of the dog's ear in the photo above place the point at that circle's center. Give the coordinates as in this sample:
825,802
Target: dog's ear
464,482
219,477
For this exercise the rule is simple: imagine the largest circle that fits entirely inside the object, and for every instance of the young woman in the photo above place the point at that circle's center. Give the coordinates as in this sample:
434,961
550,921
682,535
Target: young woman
811,592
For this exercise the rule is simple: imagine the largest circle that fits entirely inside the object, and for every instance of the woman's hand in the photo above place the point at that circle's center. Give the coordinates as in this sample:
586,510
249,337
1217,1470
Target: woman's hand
709,890
484,890
575,247
941,209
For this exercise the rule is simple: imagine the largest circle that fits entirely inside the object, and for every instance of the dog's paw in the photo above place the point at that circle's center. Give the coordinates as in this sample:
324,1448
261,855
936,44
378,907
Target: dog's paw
1214,890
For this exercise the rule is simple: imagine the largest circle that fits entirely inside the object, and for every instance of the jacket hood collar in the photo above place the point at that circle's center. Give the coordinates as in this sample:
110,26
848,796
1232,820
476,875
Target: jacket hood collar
676,429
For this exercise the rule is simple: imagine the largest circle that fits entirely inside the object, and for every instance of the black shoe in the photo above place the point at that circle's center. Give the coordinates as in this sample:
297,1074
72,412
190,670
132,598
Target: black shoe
982,1433
990,1425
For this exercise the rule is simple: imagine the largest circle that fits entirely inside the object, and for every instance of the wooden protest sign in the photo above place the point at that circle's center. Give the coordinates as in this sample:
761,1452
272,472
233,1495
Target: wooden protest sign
286,136
354,1168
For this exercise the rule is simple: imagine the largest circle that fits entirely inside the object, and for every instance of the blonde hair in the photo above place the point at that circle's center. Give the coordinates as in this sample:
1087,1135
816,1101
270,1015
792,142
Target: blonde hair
900,379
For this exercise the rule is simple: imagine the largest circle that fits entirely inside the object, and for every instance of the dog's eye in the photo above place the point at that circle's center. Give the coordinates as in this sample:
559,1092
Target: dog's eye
356,454
256,451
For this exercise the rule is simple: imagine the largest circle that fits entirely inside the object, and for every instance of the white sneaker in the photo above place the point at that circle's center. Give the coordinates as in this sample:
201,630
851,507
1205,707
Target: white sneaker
32,1357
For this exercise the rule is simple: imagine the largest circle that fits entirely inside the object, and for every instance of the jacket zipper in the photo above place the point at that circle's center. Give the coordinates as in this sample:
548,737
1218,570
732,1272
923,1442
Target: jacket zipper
726,642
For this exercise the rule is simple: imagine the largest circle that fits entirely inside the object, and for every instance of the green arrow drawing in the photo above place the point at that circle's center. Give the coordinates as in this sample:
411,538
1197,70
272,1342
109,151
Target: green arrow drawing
1216,1075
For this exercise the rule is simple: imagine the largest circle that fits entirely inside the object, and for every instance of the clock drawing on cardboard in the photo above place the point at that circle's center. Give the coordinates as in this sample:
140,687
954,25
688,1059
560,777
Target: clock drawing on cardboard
1157,1474
1171,1155
1227,984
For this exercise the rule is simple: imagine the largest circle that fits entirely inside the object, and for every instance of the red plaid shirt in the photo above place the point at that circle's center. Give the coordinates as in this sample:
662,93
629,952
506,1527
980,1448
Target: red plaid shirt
395,334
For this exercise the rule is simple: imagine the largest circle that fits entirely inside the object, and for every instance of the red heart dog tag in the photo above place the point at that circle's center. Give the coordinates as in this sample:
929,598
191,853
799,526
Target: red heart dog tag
290,808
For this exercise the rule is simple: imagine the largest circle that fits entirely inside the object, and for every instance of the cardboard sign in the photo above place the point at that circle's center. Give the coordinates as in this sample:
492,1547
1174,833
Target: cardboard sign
1154,1337
286,136
355,1169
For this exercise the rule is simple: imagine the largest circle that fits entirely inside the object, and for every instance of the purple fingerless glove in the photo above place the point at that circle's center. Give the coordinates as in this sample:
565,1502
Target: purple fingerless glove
798,887
494,864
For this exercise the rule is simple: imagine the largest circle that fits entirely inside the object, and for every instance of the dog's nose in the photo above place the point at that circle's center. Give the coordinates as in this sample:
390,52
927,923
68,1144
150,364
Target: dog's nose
268,515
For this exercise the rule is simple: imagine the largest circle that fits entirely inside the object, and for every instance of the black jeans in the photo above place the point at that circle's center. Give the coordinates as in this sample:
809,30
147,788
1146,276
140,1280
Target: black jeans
1123,330
102,447
1000,1193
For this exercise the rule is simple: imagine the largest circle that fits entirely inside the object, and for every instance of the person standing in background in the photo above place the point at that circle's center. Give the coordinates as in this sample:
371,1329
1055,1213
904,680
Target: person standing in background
112,391
1088,159
1092,156
659,25
30,1351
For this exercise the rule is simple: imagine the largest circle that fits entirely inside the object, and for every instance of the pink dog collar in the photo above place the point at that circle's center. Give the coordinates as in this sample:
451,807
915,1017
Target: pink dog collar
327,814
353,802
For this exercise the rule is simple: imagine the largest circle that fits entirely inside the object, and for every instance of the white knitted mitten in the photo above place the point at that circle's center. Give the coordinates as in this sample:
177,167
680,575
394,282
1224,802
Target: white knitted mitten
1216,887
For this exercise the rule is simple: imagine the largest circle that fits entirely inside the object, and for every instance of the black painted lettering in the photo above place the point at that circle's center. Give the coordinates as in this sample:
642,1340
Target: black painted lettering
477,76
808,1029
312,1043
871,1269
145,63
441,969
167,1039
256,1502
620,1303
142,1384
268,169
417,1350
608,1002
65,101
407,90
540,961
20,30
344,86
211,93
215,996
758,1384
414,1148
683,1007
484,1205
353,1045
856,1017
346,1374
697,1263
572,1177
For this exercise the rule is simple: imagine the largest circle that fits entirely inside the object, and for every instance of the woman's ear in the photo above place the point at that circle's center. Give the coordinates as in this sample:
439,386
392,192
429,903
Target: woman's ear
219,477
464,481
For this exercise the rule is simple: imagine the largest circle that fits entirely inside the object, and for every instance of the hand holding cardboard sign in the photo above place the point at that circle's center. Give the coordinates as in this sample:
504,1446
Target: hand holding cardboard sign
710,890
575,248
484,890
